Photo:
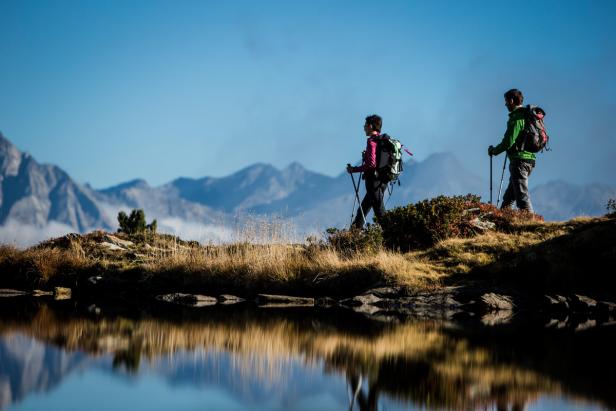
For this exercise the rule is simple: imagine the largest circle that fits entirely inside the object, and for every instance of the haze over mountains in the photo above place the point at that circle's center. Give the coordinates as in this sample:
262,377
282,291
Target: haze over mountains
39,200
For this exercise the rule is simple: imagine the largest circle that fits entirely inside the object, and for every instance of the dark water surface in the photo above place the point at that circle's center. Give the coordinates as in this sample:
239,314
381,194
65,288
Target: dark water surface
73,356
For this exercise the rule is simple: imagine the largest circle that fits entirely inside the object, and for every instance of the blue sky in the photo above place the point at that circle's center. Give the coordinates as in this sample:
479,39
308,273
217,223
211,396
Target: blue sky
116,90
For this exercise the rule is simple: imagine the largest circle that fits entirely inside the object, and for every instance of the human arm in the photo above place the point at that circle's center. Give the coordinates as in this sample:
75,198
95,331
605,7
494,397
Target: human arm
514,128
369,160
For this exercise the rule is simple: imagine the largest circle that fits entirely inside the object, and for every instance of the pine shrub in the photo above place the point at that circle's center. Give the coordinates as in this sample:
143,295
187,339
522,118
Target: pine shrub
135,223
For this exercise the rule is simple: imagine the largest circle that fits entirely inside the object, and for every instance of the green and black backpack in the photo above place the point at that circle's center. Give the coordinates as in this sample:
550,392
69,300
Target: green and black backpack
389,158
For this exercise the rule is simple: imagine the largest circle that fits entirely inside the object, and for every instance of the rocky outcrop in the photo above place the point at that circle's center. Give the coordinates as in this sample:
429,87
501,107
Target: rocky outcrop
283,301
190,300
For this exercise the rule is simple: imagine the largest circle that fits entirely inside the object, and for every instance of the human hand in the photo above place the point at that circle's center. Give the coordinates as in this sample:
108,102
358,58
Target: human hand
490,151
349,169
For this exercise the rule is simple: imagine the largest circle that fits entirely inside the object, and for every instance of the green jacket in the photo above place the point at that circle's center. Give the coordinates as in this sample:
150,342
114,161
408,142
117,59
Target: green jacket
515,125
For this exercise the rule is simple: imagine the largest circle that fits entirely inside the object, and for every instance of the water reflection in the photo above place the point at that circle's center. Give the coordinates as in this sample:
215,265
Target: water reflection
266,359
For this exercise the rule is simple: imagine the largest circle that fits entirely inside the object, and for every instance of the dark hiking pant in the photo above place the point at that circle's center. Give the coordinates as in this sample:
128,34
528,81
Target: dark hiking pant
517,190
375,191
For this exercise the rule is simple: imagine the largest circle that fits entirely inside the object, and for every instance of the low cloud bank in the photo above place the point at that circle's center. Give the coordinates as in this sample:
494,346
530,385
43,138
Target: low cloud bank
25,235
244,229
188,230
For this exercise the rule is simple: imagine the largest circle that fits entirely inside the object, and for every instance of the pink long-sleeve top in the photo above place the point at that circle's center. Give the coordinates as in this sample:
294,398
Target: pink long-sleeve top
369,160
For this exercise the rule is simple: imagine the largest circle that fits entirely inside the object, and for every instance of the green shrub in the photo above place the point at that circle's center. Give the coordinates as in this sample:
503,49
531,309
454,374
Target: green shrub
425,223
356,241
135,223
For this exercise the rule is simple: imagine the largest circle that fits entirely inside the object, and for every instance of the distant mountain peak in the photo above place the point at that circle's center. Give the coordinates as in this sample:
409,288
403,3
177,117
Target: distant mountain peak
135,183
294,166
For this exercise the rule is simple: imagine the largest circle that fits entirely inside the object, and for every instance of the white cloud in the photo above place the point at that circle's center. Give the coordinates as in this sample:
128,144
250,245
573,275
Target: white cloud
25,235
190,230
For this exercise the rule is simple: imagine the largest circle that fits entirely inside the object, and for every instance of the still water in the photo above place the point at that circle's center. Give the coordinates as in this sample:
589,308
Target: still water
69,356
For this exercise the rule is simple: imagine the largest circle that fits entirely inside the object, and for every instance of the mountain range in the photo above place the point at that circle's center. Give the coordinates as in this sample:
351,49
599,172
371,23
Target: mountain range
34,195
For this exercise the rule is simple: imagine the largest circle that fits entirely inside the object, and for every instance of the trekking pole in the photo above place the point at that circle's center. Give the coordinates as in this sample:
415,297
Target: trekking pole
501,182
390,190
354,200
490,179
356,188
361,209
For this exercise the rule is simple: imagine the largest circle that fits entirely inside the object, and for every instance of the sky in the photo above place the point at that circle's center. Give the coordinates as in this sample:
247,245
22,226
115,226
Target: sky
113,90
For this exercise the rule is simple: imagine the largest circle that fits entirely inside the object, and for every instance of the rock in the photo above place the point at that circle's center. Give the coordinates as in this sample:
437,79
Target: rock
606,307
556,323
62,293
283,301
112,247
586,325
189,300
95,279
359,300
385,292
325,302
366,309
41,293
482,225
228,299
497,317
117,241
581,303
7,292
555,304
495,302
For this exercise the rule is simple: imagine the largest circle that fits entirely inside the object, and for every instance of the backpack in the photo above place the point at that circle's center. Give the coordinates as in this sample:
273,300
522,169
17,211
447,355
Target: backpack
389,158
533,137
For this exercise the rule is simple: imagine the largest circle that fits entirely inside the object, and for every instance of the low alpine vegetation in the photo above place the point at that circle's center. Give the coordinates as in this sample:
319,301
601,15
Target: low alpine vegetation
135,223
349,243
427,222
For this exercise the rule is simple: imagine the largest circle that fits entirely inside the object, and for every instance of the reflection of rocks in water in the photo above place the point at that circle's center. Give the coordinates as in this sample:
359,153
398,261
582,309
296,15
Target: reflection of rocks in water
427,363
28,366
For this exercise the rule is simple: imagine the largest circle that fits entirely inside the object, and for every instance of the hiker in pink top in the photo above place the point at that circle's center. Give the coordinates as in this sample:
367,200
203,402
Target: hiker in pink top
375,188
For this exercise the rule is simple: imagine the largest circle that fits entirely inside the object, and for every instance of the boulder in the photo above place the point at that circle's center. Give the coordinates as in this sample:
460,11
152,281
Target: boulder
555,304
7,292
385,292
582,304
117,241
112,247
283,301
62,293
495,302
189,300
359,300
497,317
228,299
586,325
366,309
95,279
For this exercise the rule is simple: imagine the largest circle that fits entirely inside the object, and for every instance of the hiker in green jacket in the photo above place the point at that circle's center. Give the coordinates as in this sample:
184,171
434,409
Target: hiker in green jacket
521,162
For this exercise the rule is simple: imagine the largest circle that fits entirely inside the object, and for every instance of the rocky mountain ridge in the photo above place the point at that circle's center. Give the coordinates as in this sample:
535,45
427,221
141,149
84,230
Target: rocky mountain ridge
36,194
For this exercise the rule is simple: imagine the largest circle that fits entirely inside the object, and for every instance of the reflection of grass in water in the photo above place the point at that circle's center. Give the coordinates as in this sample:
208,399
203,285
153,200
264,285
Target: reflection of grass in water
414,361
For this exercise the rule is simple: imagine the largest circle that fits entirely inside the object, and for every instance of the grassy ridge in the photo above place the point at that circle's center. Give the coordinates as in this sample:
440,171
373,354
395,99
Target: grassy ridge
535,253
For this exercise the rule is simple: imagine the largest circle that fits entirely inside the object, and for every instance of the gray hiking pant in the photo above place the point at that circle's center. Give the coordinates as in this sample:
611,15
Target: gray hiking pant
517,190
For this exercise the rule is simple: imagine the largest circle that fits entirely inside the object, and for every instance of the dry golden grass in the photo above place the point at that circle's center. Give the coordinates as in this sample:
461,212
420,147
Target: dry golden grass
269,262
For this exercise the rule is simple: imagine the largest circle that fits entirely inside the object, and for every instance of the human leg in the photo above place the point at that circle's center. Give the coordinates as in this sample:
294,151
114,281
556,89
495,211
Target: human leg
509,196
522,170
